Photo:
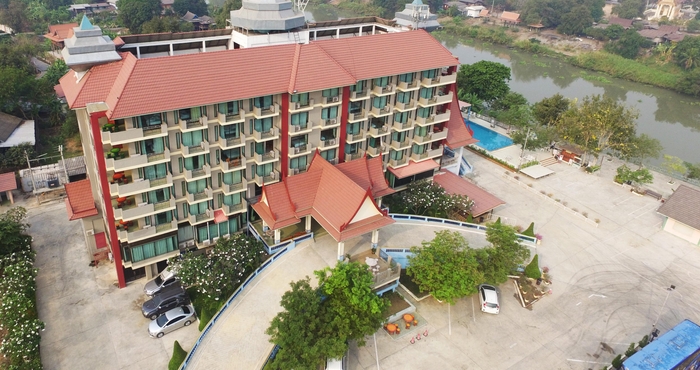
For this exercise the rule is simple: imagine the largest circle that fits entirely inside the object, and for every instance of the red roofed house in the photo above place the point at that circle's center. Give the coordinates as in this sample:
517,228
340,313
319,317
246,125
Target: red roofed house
484,202
8,182
176,165
510,18
81,204
58,33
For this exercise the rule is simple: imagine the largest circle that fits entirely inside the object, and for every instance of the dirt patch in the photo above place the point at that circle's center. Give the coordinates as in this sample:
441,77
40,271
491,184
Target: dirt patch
398,303
73,147
409,284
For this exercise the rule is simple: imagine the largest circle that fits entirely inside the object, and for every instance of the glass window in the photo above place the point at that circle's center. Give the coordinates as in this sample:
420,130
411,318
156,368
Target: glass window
406,77
299,162
163,218
231,178
196,187
379,101
298,141
185,233
193,138
328,134
423,112
328,93
426,92
190,114
354,128
263,125
263,169
302,99
382,81
199,208
230,108
398,136
403,97
328,154
420,131
352,148
355,106
396,154
157,196
359,86
149,120
419,149
151,146
194,163
300,119
231,154
152,249
263,102
158,171
229,131
329,113
232,200
431,73
374,142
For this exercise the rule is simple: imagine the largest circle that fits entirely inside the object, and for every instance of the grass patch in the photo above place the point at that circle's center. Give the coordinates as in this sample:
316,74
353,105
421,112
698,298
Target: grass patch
627,69
396,303
204,306
178,358
408,282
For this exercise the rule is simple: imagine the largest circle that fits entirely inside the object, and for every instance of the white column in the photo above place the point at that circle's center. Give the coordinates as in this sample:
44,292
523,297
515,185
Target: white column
278,236
375,238
337,33
360,33
138,52
308,224
379,203
341,251
204,46
171,50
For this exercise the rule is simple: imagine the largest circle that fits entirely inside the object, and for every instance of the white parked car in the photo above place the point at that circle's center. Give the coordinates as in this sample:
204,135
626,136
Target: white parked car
164,279
172,320
488,296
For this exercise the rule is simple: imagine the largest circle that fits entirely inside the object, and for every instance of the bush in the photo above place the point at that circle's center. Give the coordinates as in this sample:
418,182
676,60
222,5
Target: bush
178,358
617,362
532,270
631,349
644,341
204,318
530,231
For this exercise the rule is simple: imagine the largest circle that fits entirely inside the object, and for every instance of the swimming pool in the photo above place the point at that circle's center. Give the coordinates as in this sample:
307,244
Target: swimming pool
489,139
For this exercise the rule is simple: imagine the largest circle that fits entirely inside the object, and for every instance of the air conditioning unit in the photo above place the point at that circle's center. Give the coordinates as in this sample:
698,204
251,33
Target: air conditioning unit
296,150
332,122
296,128
272,131
189,243
89,232
297,105
272,175
272,108
203,145
226,236
214,240
295,171
385,128
336,99
331,142
388,88
387,109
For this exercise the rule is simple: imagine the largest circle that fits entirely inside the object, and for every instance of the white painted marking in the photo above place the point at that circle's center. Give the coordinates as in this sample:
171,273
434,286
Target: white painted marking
513,345
473,311
588,362
578,303
597,295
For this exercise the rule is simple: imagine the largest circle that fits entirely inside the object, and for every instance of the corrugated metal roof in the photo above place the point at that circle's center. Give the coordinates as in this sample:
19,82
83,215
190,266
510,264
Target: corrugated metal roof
667,351
683,206
8,124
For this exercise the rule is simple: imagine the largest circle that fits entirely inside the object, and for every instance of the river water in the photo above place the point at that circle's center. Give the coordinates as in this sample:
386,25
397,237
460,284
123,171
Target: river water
672,118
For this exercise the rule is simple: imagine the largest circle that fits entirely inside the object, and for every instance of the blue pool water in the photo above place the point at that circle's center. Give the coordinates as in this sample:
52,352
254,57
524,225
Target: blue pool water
489,139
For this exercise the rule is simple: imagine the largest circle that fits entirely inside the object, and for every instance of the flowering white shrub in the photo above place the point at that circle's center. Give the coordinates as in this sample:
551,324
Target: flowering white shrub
429,199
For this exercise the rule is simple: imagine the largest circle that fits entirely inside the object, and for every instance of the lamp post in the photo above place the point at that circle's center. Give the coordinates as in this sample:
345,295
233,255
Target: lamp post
418,16
654,331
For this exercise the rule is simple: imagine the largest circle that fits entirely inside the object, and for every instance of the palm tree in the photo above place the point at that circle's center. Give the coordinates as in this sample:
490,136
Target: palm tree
471,98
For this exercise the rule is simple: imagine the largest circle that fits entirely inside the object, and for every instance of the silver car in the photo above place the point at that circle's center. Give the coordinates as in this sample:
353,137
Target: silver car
164,279
488,297
172,320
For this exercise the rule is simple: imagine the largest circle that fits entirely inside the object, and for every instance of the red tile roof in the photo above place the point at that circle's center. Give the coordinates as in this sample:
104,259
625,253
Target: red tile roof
60,32
8,182
414,168
453,184
510,17
367,174
335,201
79,202
457,135
219,216
133,87
625,23
683,206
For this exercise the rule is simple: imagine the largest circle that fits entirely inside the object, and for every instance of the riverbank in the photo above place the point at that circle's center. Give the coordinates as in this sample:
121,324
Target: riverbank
588,57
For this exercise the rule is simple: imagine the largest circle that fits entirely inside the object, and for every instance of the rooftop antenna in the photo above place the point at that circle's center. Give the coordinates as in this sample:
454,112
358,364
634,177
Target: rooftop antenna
300,5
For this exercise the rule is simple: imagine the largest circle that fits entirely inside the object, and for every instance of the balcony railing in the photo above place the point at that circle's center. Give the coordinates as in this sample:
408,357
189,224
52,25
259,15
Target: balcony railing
203,195
327,123
272,177
301,149
427,154
430,137
296,171
359,95
235,208
137,160
233,164
352,156
402,126
383,111
328,143
300,129
376,151
233,142
439,80
405,106
230,118
133,235
134,134
201,148
352,138
379,131
436,100
139,186
383,90
269,111
398,162
300,107
193,124
399,145
234,188
271,155
405,86
199,173
329,100
135,211
270,134
208,215
442,117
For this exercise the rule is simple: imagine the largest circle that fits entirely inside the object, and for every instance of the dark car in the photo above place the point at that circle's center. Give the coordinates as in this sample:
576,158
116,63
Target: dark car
168,298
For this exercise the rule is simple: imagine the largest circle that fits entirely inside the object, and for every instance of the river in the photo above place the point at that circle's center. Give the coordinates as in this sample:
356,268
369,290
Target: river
672,118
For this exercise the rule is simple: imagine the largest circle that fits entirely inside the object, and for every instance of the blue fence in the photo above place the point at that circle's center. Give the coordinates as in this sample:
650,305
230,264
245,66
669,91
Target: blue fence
272,249
481,229
281,252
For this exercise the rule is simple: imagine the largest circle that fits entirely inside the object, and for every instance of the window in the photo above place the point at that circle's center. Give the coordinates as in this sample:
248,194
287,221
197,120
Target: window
328,134
231,154
190,114
299,141
231,200
398,136
229,132
231,178
403,97
355,107
378,122
420,131
229,109
382,81
352,148
149,250
151,146
379,101
194,163
263,102
193,138
431,74
329,93
300,119
329,113
158,171
329,154
196,187
149,120
426,92
199,208
157,196
359,86
374,142
406,77
263,169
163,218
302,99
298,163
396,155
354,128
262,125
419,149
401,117
423,112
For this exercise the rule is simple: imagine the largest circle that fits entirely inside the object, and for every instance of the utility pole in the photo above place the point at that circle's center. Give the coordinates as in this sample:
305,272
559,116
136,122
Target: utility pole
654,330
522,153
65,171
31,173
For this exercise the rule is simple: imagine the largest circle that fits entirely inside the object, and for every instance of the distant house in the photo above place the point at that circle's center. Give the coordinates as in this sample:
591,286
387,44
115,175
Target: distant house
678,349
417,15
59,32
200,23
166,4
76,9
15,131
682,212
510,18
475,11
624,23
658,34
460,6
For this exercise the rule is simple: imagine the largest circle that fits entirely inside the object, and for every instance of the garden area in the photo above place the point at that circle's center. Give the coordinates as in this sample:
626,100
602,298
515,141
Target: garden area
426,198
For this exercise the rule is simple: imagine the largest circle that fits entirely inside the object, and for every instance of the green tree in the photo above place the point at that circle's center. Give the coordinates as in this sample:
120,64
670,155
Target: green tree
641,148
56,70
222,14
13,229
614,31
198,7
548,12
19,88
14,15
487,80
596,8
674,165
510,100
575,21
166,24
687,52
532,270
693,170
693,25
628,45
629,9
504,254
548,110
471,98
134,13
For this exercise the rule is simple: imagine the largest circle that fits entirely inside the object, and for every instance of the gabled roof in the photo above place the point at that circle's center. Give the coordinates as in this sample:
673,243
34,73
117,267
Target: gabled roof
624,23
453,184
510,17
367,173
79,202
683,206
151,85
8,124
8,182
457,135
335,201
414,168
59,32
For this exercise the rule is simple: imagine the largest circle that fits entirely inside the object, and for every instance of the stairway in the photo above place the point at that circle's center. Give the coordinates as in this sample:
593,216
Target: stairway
548,161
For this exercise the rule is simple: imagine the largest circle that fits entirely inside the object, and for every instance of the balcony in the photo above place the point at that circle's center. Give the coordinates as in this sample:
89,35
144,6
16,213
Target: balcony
134,234
202,217
359,95
296,171
192,124
329,143
300,129
134,210
198,174
270,134
136,161
270,111
352,156
439,80
379,131
233,164
231,118
235,208
430,137
235,188
377,151
353,138
405,86
139,186
327,123
383,273
206,194
301,150
398,162
427,154
191,151
383,111
134,134
400,145
330,100
233,142
270,178
436,100
433,119
357,116
295,107
269,156
383,90
398,126
405,106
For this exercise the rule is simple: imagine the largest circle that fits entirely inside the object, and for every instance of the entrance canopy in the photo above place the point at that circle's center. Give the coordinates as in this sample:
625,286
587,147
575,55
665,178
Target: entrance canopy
453,184
414,168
